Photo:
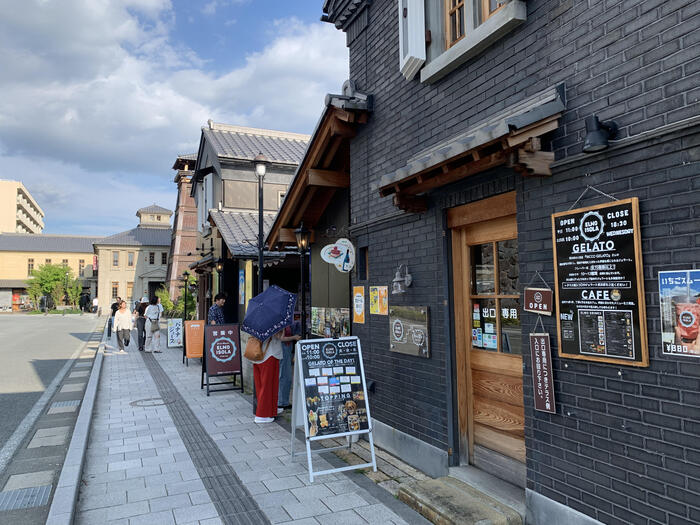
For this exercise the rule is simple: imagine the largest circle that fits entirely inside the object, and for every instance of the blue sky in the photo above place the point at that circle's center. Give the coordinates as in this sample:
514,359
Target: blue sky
100,96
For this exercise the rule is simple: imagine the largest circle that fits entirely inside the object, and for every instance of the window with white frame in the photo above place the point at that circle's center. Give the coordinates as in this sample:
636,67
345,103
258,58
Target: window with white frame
457,31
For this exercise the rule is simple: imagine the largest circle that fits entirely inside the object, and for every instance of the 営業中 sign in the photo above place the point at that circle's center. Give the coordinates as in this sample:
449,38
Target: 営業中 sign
542,378
174,332
222,355
599,283
679,299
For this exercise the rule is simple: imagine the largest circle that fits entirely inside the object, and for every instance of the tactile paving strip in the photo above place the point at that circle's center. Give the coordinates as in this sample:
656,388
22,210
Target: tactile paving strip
25,498
72,403
232,500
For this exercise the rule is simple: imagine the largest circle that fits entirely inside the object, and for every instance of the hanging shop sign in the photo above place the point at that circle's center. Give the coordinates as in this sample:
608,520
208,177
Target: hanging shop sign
241,286
379,300
539,300
408,330
542,378
341,254
330,322
331,393
222,356
358,304
599,282
194,340
679,299
174,333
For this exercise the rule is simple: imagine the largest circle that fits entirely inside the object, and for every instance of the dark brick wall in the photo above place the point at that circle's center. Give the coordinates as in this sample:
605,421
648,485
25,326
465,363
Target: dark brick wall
629,452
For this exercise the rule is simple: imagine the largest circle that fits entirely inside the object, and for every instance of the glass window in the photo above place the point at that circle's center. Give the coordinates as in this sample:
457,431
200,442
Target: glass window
115,289
511,340
115,258
455,21
130,258
81,267
363,264
151,258
158,217
508,269
47,261
129,292
30,266
482,269
164,258
484,324
64,262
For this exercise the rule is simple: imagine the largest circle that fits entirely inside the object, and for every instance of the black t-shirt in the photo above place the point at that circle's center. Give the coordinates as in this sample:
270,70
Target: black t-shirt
141,309
115,307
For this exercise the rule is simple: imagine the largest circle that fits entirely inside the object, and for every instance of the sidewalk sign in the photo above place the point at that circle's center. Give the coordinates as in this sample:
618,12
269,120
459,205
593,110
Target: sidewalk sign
330,396
174,332
222,356
194,340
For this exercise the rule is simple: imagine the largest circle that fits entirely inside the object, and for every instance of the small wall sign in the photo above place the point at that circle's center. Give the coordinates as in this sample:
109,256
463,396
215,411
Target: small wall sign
379,300
358,304
408,330
542,379
679,300
539,300
341,254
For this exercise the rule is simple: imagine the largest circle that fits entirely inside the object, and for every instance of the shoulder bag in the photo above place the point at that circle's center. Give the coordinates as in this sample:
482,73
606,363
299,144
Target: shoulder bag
253,349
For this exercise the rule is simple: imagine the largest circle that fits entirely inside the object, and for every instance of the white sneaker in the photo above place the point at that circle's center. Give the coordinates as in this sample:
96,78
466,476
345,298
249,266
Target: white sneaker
264,419
279,411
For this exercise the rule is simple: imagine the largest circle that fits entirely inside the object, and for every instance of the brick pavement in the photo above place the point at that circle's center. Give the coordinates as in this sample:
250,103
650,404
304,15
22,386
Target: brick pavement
138,469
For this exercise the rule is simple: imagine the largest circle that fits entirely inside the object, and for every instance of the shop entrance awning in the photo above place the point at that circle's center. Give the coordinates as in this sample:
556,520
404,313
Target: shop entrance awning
240,232
510,137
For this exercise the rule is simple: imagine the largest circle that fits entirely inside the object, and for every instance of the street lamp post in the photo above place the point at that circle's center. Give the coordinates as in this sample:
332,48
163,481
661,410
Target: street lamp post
219,271
260,163
186,277
303,235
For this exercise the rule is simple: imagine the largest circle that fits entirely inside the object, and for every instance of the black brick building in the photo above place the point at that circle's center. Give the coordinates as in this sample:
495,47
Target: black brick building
468,107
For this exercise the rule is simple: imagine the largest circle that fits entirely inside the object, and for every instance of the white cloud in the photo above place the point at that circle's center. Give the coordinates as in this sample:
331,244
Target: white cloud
100,89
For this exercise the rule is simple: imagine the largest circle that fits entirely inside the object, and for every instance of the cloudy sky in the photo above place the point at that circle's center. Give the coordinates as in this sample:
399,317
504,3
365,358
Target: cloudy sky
98,97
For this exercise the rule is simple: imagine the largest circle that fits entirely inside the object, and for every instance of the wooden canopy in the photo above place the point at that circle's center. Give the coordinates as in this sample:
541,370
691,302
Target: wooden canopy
324,170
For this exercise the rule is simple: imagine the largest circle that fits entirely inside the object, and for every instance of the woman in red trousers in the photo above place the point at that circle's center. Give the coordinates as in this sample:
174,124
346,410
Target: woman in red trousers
266,374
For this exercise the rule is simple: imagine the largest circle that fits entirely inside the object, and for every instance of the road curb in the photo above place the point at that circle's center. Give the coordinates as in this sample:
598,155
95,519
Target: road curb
62,510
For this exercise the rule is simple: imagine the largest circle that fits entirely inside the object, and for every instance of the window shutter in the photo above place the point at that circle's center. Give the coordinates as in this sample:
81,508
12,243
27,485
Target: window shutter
411,37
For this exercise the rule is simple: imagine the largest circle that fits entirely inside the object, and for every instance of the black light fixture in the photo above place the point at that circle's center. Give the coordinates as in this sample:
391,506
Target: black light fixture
219,269
597,134
186,278
303,237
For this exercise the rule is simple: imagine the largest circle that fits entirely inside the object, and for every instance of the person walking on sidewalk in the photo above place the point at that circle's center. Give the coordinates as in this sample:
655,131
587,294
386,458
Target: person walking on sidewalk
266,374
140,313
110,322
291,335
123,323
152,314
216,310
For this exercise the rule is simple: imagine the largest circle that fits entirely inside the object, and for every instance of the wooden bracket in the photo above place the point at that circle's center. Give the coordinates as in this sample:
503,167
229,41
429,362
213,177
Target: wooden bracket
410,203
328,178
534,162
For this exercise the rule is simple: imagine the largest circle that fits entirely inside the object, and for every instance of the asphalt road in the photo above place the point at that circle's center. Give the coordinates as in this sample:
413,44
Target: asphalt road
33,349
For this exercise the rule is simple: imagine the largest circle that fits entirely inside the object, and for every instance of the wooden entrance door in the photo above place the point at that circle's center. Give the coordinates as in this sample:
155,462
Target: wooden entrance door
487,328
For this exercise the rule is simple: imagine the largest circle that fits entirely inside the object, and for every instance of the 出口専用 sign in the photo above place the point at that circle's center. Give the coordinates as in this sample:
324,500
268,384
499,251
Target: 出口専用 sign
335,396
222,349
599,283
679,300
542,378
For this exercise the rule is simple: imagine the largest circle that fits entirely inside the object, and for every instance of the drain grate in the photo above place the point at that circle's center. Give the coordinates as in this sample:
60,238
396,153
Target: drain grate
150,402
25,498
72,403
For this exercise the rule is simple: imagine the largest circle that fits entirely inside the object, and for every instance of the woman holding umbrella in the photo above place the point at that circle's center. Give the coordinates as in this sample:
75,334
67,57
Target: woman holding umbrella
266,317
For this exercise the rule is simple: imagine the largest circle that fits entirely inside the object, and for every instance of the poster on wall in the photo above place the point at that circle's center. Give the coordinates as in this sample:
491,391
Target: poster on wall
358,304
679,300
330,322
408,330
379,300
174,333
542,378
601,313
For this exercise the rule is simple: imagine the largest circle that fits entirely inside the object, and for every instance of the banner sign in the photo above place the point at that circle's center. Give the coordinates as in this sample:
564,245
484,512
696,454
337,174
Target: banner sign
679,299
358,304
539,301
601,313
542,378
223,355
341,254
194,339
241,286
408,330
174,332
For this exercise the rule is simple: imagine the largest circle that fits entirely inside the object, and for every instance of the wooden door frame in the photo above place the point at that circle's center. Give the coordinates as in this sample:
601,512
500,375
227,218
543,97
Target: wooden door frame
460,220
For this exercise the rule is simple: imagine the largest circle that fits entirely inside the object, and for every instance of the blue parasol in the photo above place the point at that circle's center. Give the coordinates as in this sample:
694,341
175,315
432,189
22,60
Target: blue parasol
269,312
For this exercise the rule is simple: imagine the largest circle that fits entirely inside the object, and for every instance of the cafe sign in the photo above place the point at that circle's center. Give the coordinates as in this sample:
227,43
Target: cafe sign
601,313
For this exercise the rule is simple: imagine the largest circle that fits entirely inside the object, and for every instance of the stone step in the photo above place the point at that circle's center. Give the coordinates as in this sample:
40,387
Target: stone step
449,501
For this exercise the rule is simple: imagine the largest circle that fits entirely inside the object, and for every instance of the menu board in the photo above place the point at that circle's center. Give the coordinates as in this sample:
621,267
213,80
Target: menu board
599,283
335,395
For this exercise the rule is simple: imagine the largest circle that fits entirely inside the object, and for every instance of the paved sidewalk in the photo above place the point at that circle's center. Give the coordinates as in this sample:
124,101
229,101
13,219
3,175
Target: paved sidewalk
140,471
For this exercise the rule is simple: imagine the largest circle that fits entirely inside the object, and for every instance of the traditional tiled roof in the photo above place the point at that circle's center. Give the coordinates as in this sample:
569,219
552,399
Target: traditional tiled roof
238,142
240,231
41,242
139,236
153,209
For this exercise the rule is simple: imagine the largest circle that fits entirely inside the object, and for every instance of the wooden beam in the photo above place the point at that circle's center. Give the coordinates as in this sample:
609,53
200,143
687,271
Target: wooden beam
483,210
536,162
332,151
321,201
410,203
287,236
339,128
328,178
534,130
303,205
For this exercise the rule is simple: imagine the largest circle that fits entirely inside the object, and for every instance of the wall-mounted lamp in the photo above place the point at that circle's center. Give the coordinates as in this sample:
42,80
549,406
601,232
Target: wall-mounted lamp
400,283
219,265
597,134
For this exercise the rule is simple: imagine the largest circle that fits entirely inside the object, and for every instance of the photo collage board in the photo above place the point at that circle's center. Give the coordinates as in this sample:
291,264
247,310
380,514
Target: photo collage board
333,386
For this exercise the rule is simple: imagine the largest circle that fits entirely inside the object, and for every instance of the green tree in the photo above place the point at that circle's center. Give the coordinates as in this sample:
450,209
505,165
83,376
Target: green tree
165,300
73,291
50,279
34,292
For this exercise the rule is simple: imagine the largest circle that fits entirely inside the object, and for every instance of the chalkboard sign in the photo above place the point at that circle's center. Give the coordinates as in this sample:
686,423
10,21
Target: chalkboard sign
332,379
599,283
